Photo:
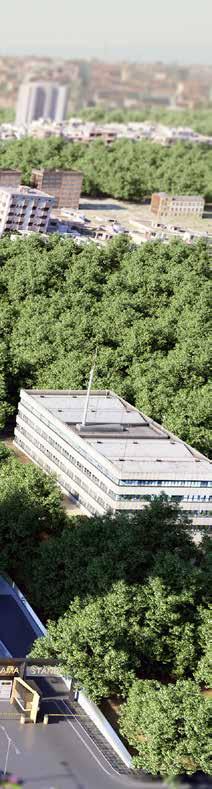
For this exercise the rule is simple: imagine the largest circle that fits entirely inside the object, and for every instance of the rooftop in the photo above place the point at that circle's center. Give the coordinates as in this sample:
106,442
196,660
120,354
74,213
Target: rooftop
180,197
24,190
18,628
50,170
120,433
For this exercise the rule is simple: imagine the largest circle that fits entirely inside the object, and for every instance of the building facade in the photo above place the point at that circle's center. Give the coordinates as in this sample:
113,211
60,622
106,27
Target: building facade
23,209
65,185
47,100
163,204
119,460
10,177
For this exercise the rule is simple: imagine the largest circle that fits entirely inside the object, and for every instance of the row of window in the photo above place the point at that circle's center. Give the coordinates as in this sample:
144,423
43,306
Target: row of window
65,453
83,453
80,498
60,465
82,483
172,483
61,479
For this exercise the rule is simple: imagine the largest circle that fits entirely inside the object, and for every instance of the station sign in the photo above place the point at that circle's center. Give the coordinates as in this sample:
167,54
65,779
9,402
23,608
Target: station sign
42,671
21,667
9,671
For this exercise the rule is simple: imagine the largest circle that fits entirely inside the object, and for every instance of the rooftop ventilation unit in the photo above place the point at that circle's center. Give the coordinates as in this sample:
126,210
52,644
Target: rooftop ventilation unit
98,427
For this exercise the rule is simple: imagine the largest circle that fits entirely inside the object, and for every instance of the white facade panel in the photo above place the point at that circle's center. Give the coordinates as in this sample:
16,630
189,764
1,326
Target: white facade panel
48,431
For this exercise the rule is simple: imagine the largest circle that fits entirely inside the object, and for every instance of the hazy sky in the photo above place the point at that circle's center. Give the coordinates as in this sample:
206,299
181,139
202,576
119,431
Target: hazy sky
134,29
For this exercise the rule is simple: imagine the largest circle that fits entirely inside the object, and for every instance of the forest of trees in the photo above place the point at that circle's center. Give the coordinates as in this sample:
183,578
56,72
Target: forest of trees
146,308
128,598
123,170
7,115
137,627
198,120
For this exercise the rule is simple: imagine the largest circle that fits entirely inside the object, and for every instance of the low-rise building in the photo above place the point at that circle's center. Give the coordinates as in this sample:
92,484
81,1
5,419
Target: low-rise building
10,177
164,204
111,457
65,185
23,209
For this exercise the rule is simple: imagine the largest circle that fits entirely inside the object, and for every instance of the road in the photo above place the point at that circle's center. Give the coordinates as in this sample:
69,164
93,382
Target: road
60,755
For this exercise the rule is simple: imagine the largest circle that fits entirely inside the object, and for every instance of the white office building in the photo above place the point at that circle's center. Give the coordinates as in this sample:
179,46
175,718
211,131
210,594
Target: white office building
36,100
118,460
23,209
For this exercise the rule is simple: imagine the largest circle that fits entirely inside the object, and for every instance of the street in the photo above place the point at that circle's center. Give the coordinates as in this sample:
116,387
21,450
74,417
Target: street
60,755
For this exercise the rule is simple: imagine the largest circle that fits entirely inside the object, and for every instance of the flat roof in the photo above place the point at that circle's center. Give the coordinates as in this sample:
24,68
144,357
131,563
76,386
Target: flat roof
44,170
178,197
123,435
25,190
16,631
9,170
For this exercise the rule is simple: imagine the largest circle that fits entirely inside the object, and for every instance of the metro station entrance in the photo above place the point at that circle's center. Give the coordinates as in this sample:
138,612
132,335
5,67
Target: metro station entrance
26,698
18,687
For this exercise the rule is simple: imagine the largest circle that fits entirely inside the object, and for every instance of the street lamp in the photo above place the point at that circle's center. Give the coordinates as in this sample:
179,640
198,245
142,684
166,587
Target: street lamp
9,743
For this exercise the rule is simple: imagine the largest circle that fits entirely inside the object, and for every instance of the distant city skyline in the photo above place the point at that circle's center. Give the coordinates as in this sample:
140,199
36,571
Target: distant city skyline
160,31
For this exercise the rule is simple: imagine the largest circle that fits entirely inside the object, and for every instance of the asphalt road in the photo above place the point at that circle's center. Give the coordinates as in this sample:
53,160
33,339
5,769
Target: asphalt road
60,755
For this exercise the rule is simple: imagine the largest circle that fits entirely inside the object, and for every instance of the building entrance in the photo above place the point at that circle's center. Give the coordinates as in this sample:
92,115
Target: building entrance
18,684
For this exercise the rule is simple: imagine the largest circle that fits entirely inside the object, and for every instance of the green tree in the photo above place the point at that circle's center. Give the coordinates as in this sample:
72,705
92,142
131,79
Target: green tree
4,453
146,308
131,630
204,668
123,170
90,642
169,727
199,120
108,548
30,509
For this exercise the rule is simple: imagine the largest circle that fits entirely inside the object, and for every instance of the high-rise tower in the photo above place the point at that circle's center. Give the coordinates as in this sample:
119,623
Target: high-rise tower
37,100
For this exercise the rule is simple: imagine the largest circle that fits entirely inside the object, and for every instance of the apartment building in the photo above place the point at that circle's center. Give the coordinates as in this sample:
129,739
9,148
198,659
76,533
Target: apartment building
10,177
65,185
108,456
37,100
23,209
164,204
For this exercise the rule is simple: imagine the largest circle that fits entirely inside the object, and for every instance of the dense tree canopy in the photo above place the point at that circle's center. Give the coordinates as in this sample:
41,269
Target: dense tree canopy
108,548
144,629
124,170
204,667
131,594
151,628
7,115
147,308
199,120
127,596
30,506
138,592
169,727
